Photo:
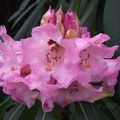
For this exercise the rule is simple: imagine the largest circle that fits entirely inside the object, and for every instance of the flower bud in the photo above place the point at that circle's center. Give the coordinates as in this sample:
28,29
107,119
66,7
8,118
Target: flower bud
59,22
71,22
49,17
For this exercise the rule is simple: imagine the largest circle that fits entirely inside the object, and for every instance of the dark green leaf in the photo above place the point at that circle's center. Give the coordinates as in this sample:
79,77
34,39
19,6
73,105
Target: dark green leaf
16,113
31,21
19,11
89,16
30,114
23,14
3,106
72,110
56,115
112,20
113,108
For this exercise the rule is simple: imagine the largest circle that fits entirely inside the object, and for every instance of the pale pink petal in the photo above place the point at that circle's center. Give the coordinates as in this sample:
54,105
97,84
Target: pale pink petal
100,38
47,32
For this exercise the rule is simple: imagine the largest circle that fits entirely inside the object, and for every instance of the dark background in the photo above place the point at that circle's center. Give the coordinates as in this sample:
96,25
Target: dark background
7,7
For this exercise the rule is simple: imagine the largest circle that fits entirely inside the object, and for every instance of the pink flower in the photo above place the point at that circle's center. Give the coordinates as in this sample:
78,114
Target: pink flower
60,63
81,54
13,71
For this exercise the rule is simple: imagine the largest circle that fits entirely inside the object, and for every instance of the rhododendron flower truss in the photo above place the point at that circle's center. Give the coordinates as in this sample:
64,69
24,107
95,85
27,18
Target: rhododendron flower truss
59,64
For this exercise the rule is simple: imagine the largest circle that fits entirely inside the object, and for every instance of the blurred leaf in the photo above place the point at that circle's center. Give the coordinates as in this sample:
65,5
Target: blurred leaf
24,13
31,21
99,17
83,111
110,108
30,114
64,4
112,20
72,115
98,112
16,113
19,11
113,108
79,114
83,5
10,110
89,16
3,106
56,113
87,111
47,116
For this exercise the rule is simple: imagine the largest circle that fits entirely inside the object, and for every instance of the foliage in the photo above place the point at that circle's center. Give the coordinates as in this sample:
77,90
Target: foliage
99,16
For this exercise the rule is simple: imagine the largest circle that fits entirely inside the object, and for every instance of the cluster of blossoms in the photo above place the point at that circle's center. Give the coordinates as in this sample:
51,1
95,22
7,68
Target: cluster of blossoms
60,63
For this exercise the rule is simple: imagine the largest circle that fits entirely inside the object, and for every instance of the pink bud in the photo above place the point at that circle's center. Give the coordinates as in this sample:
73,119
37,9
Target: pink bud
49,17
71,22
52,18
59,21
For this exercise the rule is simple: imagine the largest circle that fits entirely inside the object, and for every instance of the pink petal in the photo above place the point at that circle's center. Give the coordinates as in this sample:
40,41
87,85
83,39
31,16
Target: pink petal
47,32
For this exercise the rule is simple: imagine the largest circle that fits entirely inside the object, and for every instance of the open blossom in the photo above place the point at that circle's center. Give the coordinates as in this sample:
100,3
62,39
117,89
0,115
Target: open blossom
60,63
13,71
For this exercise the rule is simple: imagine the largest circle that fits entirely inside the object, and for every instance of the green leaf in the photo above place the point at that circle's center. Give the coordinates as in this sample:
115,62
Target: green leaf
72,112
16,113
113,108
83,111
98,112
112,20
87,111
24,13
32,20
56,113
19,11
83,5
64,5
99,17
78,112
3,106
30,113
89,16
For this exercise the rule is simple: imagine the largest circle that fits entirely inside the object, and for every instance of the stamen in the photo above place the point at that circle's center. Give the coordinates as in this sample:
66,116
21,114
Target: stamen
13,68
53,55
87,65
66,100
35,96
49,67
